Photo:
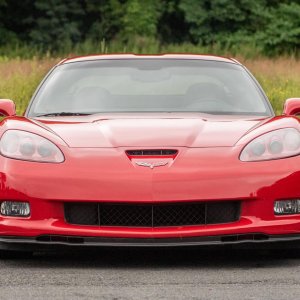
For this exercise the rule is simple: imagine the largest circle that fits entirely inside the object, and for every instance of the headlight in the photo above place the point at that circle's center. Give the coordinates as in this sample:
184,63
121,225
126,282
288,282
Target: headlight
24,145
273,145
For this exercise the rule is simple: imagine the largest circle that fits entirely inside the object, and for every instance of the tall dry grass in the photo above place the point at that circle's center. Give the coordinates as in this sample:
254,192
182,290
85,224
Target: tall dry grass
279,77
19,79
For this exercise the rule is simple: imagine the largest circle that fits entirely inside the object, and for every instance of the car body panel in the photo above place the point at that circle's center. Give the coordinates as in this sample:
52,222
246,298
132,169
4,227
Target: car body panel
97,169
135,56
48,186
168,131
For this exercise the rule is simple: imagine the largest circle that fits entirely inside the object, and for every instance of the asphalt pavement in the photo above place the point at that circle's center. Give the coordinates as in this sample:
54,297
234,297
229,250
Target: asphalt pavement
185,273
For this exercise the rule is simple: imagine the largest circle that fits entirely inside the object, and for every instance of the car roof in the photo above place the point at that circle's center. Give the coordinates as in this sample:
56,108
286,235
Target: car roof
150,56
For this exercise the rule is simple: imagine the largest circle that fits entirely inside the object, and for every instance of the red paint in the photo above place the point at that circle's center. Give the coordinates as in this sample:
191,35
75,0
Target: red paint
292,107
97,169
7,107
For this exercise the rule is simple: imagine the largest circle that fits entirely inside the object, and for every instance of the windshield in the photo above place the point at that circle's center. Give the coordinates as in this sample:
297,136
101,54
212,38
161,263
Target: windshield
149,85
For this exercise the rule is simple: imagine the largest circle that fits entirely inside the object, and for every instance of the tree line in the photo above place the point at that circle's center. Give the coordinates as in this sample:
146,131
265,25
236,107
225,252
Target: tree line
273,26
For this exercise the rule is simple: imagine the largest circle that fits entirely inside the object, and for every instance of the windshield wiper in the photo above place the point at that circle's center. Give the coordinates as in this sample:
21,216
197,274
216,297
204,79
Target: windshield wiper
57,114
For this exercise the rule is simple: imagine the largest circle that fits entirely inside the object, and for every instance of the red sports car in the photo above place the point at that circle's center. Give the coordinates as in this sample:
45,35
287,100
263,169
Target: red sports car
142,150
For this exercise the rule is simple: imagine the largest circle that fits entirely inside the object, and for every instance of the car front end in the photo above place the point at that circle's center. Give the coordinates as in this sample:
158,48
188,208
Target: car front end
157,177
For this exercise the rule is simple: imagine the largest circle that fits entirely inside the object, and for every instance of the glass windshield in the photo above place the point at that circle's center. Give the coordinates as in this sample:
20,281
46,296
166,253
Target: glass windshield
149,85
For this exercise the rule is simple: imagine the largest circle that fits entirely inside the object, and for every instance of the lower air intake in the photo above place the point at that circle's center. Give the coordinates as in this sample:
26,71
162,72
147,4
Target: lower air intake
149,215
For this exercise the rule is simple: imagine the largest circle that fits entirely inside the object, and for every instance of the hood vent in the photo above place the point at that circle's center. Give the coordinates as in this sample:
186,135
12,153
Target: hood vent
152,152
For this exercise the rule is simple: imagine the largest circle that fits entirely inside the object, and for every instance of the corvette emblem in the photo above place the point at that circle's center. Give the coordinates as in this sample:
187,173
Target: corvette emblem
151,165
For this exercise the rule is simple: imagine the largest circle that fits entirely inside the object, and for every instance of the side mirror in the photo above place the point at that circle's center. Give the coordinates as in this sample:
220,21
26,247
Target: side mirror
292,107
7,107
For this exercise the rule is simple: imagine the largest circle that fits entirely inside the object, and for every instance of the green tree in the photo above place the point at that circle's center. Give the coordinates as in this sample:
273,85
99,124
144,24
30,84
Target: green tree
282,33
103,19
172,27
212,21
14,15
140,18
58,24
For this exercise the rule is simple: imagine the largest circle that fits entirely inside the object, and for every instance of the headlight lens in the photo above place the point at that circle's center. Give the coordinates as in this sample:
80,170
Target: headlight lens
24,145
276,144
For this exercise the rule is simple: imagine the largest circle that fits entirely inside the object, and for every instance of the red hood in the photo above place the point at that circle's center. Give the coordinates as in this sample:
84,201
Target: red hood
185,130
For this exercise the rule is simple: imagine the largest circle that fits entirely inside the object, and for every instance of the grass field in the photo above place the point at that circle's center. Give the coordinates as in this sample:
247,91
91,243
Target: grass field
279,77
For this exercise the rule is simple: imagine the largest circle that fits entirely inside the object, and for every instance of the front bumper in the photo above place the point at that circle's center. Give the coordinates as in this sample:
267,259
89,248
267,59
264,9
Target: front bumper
105,175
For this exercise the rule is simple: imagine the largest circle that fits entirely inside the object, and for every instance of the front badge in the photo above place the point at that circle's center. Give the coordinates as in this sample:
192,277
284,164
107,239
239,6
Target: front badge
151,165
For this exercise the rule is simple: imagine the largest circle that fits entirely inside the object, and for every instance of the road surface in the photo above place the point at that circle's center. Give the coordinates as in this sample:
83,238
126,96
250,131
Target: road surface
186,273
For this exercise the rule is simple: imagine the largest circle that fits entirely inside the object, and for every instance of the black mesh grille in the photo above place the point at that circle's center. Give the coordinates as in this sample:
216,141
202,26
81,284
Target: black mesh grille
125,215
220,212
153,152
180,214
148,215
82,213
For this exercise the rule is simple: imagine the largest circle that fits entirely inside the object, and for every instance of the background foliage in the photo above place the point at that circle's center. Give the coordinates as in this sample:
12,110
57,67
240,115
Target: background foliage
279,77
35,34
271,27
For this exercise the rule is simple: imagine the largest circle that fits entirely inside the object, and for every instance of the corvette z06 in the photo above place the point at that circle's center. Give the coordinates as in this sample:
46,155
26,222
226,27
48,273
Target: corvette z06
148,150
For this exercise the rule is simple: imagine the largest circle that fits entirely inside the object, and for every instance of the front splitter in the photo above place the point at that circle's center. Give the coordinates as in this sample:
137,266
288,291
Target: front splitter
44,242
